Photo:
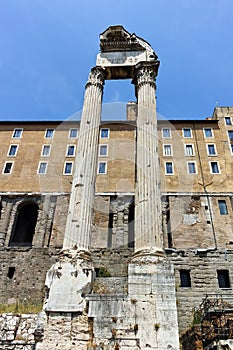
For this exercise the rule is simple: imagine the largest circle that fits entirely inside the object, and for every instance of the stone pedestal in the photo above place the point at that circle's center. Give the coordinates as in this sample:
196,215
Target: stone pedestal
151,287
67,283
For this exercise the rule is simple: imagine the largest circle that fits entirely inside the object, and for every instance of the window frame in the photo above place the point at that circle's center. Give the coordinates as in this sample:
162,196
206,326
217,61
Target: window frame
105,137
70,131
225,274
187,275
193,150
16,151
215,150
231,148
103,155
46,167
212,133
42,150
227,118
191,133
225,211
49,137
165,167
228,133
4,168
219,170
67,149
14,131
195,167
166,137
98,171
167,145
64,168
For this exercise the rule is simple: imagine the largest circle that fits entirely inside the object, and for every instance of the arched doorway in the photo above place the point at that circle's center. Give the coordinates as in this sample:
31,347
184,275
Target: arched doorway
24,225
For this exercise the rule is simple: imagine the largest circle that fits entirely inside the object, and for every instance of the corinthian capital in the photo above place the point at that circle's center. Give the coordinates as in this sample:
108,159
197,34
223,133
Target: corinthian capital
145,74
96,77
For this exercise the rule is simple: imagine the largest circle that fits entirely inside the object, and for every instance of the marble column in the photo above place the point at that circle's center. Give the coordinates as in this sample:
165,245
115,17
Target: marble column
148,229
77,233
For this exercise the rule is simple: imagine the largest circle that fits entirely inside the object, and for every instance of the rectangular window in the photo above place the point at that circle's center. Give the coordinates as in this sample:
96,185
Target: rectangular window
103,150
185,279
49,133
228,121
46,150
211,150
70,152
168,168
189,150
42,168
102,168
230,135
223,279
8,168
68,167
214,168
17,133
73,133
222,207
187,132
208,132
104,133
167,150
192,168
166,133
12,150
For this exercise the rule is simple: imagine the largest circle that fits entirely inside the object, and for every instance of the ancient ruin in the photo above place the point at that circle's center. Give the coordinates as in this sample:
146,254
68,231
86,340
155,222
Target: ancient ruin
117,235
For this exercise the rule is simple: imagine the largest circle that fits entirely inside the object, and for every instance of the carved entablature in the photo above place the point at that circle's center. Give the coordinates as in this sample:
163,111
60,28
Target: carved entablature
121,51
117,39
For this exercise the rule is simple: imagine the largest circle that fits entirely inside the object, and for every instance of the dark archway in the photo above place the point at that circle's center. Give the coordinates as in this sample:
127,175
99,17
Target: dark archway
24,225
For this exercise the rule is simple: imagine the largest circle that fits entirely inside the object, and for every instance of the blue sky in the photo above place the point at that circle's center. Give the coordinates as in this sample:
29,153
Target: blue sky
47,48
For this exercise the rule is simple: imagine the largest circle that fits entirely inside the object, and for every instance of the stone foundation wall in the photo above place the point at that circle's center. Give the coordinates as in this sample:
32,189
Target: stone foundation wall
203,266
18,332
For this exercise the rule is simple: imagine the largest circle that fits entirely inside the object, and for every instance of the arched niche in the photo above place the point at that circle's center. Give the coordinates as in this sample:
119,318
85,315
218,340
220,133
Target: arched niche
24,224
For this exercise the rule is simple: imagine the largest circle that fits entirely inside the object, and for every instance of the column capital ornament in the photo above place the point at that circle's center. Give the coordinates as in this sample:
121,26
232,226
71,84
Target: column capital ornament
96,77
145,74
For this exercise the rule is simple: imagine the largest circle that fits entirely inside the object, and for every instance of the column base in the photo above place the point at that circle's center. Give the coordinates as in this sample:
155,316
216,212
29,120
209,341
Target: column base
68,281
151,288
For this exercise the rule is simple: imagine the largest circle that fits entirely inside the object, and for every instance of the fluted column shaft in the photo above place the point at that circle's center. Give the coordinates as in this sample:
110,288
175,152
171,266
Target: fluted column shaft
148,231
79,218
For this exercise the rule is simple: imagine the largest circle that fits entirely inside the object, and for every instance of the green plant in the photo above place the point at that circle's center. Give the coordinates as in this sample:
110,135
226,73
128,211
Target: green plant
20,308
103,272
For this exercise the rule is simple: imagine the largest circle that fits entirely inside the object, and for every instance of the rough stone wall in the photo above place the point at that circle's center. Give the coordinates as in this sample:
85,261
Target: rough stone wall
203,266
17,332
27,283
196,222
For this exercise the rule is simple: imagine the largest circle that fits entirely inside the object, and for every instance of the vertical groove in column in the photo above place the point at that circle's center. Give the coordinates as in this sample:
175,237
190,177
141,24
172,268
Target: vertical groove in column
79,218
147,197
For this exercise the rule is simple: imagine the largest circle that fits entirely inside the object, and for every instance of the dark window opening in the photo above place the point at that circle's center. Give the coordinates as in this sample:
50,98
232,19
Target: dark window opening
185,279
11,272
131,226
110,227
24,225
223,279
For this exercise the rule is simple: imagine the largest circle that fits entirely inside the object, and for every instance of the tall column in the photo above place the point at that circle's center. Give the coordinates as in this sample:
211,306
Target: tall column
148,230
77,233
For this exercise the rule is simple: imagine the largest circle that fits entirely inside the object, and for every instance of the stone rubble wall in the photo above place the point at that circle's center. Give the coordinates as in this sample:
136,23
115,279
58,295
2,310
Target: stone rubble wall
17,332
